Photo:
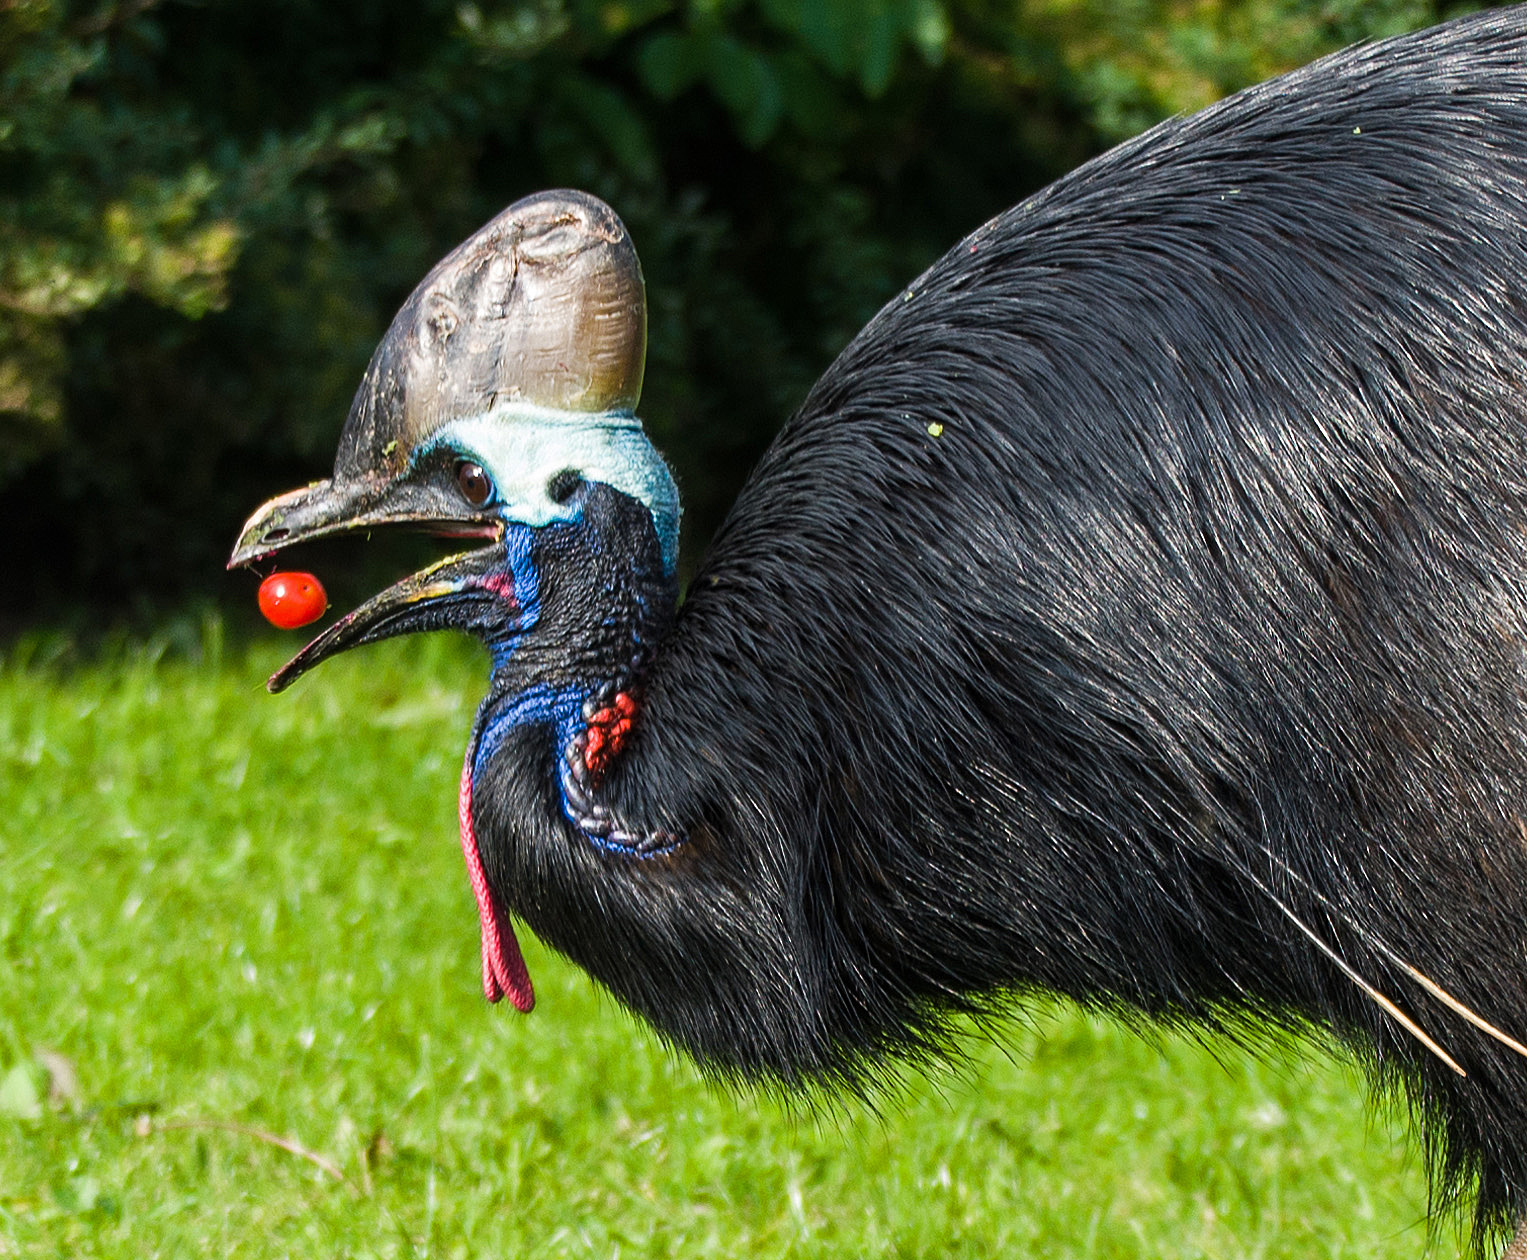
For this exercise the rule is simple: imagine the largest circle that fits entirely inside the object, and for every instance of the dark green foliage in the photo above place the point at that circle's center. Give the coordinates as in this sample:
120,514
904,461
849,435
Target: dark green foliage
209,210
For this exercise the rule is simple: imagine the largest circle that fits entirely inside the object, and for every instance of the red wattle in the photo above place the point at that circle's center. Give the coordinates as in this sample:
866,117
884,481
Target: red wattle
503,967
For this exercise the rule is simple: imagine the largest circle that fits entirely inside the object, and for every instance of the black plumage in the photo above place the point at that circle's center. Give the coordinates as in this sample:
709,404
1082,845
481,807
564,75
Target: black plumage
1136,610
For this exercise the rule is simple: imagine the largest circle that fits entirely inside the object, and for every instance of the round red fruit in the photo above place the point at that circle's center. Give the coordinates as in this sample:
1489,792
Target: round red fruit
289,600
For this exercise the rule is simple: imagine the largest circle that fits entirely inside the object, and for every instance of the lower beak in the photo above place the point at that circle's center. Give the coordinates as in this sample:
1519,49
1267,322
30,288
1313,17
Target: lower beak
465,592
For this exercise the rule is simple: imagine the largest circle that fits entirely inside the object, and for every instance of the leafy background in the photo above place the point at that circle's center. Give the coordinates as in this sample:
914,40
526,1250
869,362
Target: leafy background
209,211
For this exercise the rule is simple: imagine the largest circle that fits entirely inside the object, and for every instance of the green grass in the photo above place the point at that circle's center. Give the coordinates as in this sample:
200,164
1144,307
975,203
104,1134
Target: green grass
223,908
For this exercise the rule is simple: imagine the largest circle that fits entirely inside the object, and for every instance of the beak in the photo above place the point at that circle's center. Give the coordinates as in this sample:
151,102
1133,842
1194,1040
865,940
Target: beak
466,592
459,593
339,506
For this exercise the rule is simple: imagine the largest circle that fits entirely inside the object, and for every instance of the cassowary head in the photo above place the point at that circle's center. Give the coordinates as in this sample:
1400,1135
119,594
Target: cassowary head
499,406
501,396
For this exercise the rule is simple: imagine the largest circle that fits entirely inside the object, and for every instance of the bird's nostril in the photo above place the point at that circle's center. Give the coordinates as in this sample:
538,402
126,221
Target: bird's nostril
276,534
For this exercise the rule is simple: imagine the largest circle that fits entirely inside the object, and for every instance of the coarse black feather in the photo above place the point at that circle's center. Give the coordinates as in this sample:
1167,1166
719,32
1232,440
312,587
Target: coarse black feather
1151,573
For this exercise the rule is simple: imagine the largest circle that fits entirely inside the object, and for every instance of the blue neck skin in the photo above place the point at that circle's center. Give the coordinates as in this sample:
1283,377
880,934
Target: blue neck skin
539,703
525,581
564,708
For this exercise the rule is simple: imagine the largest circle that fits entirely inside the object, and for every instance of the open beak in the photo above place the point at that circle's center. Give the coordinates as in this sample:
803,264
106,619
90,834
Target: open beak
466,591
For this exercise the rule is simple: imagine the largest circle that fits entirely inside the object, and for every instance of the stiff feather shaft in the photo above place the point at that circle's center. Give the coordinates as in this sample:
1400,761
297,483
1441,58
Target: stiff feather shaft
1426,982
1374,995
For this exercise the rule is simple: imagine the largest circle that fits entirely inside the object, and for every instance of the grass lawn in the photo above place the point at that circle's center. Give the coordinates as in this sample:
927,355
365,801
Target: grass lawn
228,918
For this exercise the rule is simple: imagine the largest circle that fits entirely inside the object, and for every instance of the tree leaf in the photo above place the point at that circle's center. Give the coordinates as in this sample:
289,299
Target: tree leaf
743,79
669,63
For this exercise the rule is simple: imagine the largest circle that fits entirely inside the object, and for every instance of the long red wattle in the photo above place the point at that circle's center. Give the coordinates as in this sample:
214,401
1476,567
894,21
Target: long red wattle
503,967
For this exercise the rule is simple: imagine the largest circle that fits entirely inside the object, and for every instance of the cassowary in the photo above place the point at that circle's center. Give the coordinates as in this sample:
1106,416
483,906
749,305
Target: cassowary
1135,610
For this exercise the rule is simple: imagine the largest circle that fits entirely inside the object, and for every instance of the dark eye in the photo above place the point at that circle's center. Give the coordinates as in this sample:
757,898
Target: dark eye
473,483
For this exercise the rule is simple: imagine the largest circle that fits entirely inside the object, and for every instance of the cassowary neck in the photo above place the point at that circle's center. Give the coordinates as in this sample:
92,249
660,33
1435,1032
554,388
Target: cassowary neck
594,599
609,815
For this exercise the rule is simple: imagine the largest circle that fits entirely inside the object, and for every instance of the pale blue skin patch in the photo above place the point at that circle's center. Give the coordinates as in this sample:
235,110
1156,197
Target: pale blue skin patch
522,447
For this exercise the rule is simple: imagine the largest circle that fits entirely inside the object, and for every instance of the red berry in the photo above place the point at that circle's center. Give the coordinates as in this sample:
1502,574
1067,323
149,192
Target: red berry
289,600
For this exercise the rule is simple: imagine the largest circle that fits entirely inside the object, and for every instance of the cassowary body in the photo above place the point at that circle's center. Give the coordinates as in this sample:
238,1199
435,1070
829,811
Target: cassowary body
1136,610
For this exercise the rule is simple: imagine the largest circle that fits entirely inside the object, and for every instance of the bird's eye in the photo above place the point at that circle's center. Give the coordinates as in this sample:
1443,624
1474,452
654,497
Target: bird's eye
473,483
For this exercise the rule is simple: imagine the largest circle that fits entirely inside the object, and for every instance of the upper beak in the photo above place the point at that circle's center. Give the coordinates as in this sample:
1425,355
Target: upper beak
462,591
338,506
